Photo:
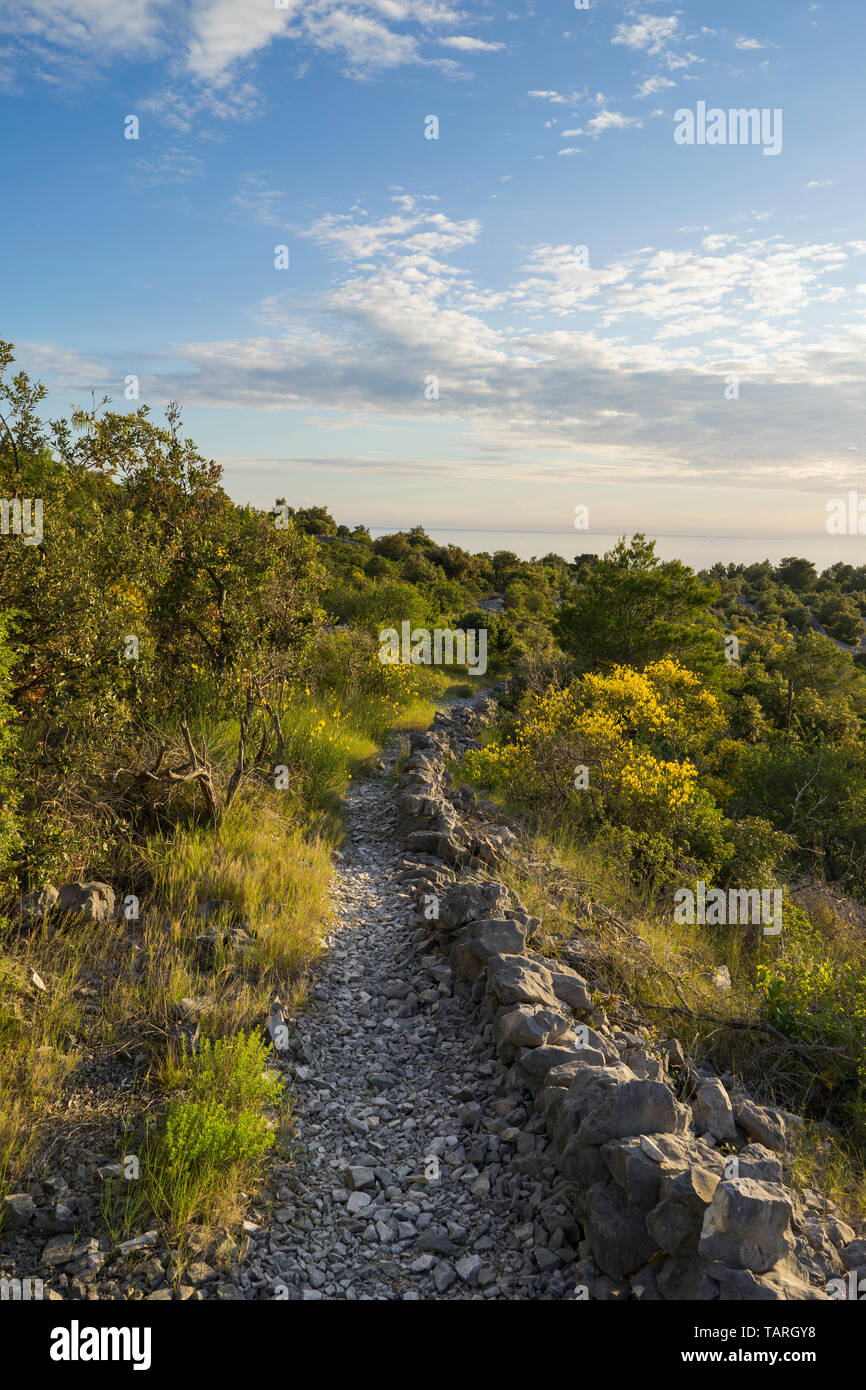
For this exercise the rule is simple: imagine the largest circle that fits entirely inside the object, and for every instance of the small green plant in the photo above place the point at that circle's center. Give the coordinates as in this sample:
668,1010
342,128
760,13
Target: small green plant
231,1068
202,1137
201,1157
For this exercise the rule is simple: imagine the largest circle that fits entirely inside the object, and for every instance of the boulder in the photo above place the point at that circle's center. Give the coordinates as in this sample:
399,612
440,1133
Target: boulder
469,902
712,1111
536,1064
746,1224
675,1228
635,1171
616,1232
582,1163
479,942
761,1123
633,1107
754,1161
565,1072
644,1064
593,1083
779,1285
515,980
493,844
569,987
530,1025
18,1209
677,1221
34,907
590,1037
853,1254
93,901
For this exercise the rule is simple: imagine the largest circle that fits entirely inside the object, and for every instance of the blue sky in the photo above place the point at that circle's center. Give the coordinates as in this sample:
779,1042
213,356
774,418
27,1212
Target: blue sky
563,378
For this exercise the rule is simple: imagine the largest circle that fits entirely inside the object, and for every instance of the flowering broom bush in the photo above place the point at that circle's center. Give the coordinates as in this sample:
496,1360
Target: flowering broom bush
621,750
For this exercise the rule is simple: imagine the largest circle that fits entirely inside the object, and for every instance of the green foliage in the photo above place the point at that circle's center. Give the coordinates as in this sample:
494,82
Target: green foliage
10,831
232,1068
817,996
202,1140
141,546
631,608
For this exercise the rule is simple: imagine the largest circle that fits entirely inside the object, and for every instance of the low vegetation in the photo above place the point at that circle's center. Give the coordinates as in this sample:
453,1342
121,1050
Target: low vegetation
187,688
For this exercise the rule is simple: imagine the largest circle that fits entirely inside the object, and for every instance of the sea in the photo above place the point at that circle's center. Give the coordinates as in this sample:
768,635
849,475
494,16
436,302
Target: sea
700,552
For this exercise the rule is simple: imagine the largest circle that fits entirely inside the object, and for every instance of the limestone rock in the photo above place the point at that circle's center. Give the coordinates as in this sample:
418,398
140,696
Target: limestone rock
634,1107
616,1232
530,1025
35,906
746,1225
712,1111
93,901
515,980
764,1125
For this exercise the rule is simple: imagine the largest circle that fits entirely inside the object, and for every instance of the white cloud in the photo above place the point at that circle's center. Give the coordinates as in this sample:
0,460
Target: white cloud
66,368
653,85
558,98
470,45
88,25
611,120
171,165
651,32
639,383
210,42
258,201
69,43
676,62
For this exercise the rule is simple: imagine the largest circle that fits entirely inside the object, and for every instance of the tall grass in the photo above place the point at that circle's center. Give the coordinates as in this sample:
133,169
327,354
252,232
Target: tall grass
269,860
207,1145
808,983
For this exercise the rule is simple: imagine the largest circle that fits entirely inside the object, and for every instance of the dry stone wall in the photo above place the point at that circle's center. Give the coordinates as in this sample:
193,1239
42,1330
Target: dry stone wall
673,1174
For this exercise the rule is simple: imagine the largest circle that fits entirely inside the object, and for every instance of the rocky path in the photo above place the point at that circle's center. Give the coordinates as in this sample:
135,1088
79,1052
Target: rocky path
419,1175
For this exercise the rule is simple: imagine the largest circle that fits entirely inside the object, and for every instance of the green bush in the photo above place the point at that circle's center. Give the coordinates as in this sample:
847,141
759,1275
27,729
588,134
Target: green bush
203,1138
234,1069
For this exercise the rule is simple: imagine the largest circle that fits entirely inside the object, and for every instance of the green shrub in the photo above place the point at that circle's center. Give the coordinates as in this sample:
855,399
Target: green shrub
202,1138
233,1069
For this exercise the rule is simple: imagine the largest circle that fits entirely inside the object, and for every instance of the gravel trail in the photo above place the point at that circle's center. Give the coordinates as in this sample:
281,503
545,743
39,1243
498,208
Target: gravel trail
419,1174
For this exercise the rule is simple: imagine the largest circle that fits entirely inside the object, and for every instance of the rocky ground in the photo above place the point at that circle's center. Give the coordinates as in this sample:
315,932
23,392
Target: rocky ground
470,1124
419,1173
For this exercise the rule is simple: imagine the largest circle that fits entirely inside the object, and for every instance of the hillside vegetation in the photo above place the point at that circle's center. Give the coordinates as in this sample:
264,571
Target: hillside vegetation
188,685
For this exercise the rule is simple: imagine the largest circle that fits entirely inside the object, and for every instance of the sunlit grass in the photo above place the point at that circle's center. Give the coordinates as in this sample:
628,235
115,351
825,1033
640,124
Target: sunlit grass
630,946
269,860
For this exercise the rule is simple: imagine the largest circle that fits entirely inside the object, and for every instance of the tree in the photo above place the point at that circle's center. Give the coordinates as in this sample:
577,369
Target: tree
631,609
798,574
841,617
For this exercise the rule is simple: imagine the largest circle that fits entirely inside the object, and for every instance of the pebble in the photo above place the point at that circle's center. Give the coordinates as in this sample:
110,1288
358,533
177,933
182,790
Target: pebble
395,1079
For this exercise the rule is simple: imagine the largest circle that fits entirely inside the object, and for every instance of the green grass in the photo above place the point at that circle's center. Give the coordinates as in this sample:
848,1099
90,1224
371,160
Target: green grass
269,859
208,1144
808,983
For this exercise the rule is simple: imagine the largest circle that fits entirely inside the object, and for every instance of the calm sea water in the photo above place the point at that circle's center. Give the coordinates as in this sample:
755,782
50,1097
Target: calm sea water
698,551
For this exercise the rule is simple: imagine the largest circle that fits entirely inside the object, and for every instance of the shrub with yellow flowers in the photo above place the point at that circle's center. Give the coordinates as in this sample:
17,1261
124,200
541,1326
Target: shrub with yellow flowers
639,735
